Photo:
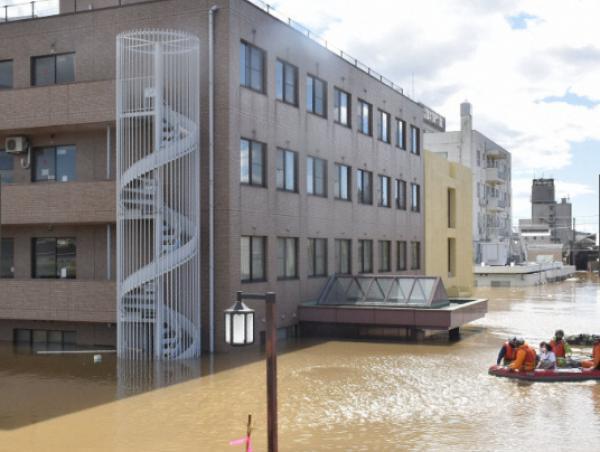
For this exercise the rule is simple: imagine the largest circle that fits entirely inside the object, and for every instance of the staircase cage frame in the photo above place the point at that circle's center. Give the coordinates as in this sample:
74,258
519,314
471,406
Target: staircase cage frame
158,195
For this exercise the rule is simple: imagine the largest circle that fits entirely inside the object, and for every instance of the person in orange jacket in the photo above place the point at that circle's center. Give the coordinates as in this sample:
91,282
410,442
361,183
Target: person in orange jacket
525,360
507,352
594,363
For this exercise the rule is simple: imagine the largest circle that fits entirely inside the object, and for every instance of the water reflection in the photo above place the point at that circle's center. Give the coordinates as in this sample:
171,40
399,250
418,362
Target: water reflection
333,395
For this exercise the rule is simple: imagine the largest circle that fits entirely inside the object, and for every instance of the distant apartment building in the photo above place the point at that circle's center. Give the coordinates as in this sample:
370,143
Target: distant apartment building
448,225
491,168
318,167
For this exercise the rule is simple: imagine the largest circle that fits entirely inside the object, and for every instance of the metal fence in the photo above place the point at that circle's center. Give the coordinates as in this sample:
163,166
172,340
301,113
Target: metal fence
27,10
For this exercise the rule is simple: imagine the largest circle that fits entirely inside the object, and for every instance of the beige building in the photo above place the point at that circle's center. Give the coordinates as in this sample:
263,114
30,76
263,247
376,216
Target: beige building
448,226
318,166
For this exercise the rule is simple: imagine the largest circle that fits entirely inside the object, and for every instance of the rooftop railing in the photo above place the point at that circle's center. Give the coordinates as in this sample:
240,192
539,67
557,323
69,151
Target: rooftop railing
27,10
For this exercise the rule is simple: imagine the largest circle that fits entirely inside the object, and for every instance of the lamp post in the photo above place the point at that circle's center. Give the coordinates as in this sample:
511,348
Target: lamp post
239,331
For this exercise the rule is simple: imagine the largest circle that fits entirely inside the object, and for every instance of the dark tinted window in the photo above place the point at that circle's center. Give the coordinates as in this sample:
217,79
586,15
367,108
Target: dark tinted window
65,68
6,74
54,163
7,269
54,258
52,69
6,167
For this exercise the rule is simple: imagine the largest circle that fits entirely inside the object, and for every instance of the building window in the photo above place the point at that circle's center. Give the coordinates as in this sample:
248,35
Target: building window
385,251
342,182
54,163
54,258
401,258
287,170
343,256
44,337
252,163
317,257
287,257
316,176
415,198
341,107
53,69
400,194
364,184
253,250
365,120
286,82
384,192
384,126
415,258
415,140
451,208
6,74
7,266
451,257
365,256
6,167
316,96
252,67
401,134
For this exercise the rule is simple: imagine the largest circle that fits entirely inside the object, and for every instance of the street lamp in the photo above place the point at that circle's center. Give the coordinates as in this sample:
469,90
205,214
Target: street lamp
239,331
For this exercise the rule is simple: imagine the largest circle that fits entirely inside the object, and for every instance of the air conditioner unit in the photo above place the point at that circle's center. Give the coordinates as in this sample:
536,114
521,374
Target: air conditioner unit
16,145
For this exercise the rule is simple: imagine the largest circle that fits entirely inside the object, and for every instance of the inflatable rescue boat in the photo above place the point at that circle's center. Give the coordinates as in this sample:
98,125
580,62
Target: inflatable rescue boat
563,374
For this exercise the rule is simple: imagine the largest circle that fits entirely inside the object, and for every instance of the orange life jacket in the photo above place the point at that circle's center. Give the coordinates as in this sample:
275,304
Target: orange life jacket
596,356
558,348
510,353
530,357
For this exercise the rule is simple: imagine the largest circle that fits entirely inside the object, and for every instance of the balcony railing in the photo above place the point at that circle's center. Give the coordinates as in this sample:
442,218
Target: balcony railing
28,10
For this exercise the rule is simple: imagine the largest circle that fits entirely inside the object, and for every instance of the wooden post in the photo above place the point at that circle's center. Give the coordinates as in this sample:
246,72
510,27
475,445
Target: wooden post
248,432
271,349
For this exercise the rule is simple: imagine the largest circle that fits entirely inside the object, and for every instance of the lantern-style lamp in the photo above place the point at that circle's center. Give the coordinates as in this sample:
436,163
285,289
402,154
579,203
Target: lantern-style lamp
239,324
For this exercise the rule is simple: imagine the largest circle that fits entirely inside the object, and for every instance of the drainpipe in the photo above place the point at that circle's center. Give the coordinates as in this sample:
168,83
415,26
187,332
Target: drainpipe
108,228
211,179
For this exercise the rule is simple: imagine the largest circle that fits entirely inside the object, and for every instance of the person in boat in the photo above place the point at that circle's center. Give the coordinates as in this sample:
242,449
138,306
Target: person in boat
547,358
525,357
560,347
594,363
508,352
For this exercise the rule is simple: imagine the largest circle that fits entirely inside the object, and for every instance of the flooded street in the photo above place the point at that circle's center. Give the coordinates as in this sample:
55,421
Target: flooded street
333,395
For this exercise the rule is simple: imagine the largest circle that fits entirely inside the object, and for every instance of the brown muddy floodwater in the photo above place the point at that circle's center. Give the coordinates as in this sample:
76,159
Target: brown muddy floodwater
333,395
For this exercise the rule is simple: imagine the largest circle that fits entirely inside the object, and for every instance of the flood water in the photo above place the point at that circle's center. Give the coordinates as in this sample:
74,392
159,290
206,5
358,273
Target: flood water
333,395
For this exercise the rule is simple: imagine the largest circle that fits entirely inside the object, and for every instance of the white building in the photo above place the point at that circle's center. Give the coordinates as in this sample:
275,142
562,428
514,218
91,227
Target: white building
491,167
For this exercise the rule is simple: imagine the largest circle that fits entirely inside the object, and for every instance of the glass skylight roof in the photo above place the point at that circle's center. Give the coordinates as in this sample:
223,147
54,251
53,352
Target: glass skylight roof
388,290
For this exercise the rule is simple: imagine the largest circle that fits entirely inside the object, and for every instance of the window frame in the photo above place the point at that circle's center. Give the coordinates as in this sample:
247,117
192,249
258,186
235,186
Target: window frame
362,257
313,95
7,242
401,255
34,272
251,150
401,137
337,111
251,238
12,74
361,104
312,190
54,57
415,207
55,148
7,174
312,257
337,182
380,129
415,264
338,254
385,245
247,81
285,241
415,149
388,191
360,173
282,97
400,189
284,169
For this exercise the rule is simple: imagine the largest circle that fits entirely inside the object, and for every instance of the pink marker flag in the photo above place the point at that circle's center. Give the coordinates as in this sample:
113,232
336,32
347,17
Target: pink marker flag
241,442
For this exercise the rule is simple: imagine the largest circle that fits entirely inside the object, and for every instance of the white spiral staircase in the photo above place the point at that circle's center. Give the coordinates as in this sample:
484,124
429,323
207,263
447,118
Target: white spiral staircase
158,234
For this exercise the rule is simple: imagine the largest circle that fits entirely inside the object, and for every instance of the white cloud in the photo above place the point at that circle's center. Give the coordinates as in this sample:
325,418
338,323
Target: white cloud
461,50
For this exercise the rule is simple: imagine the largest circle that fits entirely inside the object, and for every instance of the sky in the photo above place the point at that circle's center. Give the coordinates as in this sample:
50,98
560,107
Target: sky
530,68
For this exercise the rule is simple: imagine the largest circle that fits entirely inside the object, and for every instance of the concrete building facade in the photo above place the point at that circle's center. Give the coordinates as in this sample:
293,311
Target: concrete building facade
448,225
492,195
545,210
318,166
